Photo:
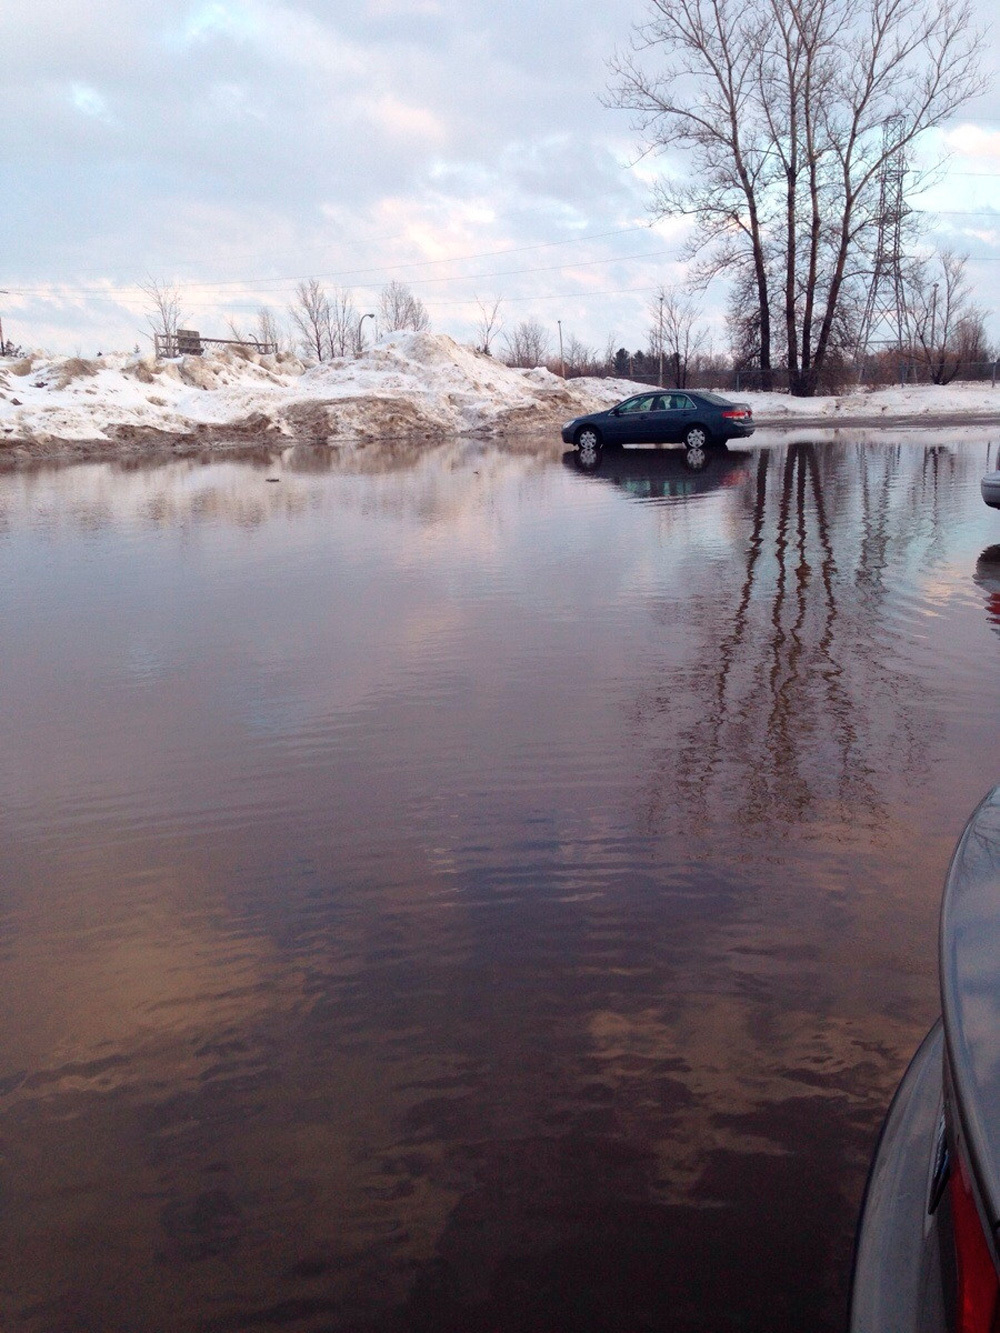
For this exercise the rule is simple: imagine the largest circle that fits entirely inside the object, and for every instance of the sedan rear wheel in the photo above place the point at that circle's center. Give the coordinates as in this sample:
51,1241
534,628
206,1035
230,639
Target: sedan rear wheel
588,442
697,438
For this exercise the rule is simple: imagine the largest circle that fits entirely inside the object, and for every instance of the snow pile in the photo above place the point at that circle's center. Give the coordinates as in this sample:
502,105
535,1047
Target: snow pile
906,402
410,384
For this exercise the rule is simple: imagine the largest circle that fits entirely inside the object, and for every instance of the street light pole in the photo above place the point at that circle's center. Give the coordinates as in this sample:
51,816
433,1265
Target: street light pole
369,314
562,363
661,340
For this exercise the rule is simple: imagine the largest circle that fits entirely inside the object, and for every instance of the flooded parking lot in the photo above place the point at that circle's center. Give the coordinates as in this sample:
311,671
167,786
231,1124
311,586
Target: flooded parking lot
441,890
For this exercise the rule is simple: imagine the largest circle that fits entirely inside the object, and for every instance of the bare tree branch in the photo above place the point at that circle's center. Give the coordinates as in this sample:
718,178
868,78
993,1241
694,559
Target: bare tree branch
488,325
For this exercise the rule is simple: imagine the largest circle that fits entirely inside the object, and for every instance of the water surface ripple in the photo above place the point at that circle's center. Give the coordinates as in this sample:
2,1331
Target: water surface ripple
441,890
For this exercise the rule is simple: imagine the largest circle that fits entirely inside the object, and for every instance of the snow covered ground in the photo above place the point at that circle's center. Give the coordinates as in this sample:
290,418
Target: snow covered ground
409,385
915,402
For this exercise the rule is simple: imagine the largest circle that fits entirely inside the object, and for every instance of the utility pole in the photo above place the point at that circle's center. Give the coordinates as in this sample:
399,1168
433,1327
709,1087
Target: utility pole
661,340
562,363
934,291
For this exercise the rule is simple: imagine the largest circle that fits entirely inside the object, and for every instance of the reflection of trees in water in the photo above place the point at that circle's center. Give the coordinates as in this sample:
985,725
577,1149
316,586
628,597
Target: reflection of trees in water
800,704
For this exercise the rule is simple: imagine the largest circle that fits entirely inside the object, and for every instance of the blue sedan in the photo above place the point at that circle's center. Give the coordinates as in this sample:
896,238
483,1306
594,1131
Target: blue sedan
661,416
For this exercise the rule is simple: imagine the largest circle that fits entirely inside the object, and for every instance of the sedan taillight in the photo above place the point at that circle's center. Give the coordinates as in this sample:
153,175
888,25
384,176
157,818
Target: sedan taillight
978,1286
738,414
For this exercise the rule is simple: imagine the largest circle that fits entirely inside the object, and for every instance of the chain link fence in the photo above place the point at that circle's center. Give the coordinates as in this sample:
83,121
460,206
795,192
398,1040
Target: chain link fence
875,373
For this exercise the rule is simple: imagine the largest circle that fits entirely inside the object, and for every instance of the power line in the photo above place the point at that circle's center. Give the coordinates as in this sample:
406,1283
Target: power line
472,277
385,268
273,284
454,301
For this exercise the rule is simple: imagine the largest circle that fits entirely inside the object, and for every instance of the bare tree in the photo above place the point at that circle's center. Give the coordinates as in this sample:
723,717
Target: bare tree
578,358
743,324
266,328
236,332
949,331
399,309
790,110
608,359
264,331
342,323
164,316
528,345
488,325
674,335
311,316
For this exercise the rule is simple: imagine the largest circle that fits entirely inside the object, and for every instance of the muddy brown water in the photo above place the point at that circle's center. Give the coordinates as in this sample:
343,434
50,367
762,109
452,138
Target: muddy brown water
443,891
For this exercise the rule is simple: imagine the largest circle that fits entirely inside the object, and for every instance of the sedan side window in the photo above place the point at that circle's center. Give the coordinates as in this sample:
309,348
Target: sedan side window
643,404
681,402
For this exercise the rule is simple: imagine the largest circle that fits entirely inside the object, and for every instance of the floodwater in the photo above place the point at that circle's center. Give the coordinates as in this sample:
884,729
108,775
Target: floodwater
440,890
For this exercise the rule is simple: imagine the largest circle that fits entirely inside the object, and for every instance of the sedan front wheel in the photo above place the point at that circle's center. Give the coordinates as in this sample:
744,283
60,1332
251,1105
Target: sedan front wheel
588,442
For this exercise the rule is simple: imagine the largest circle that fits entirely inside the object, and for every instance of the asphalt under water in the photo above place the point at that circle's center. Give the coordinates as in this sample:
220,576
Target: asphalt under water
440,890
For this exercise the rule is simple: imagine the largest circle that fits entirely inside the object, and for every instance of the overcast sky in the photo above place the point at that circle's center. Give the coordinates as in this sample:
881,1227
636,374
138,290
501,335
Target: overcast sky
235,146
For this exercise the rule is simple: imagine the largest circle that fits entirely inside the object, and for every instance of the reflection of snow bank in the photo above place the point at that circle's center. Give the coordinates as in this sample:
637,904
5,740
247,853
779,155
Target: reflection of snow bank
408,385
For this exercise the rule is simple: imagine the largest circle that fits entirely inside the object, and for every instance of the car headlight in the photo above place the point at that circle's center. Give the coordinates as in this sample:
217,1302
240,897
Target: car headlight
567,424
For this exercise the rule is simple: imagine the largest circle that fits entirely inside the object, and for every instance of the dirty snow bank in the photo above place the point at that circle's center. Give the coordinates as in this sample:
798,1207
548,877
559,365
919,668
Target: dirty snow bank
408,385
915,400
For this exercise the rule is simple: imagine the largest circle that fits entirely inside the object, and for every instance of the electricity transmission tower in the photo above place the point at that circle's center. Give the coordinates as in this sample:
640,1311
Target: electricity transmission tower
885,323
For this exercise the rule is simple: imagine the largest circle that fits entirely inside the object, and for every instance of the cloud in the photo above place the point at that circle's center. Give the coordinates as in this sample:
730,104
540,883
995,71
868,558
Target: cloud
217,139
215,19
405,122
404,8
973,141
88,100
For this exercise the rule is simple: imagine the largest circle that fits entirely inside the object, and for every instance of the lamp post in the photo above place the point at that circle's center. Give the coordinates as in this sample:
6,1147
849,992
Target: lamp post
661,342
369,314
562,363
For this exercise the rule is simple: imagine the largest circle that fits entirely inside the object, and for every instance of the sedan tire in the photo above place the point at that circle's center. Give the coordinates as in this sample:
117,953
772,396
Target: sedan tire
697,437
588,442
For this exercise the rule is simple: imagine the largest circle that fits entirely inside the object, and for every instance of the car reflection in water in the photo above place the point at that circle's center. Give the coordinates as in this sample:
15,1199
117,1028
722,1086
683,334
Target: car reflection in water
665,474
987,577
